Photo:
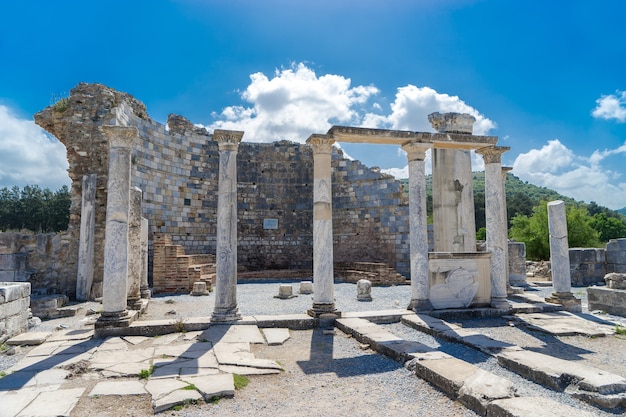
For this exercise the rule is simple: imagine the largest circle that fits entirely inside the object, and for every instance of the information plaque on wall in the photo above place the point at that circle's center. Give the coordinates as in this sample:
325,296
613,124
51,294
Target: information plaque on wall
270,224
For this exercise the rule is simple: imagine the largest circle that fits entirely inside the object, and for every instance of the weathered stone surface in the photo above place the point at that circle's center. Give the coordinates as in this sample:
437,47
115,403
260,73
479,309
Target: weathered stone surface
29,339
219,385
563,323
612,301
118,388
364,290
53,403
615,281
532,407
276,337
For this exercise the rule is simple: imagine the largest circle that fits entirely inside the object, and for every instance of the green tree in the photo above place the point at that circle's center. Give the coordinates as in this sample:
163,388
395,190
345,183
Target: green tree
609,227
534,232
32,208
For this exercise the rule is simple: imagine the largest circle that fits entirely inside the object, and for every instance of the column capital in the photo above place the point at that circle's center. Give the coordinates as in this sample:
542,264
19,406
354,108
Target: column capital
492,154
120,136
227,140
452,122
321,143
416,151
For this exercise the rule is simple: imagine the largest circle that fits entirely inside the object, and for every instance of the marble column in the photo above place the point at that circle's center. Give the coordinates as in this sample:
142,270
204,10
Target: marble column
226,309
133,297
504,171
84,277
115,280
559,258
323,279
497,242
144,288
453,189
418,221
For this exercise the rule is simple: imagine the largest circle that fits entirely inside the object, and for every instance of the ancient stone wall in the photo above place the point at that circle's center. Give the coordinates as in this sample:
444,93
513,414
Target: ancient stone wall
177,170
587,266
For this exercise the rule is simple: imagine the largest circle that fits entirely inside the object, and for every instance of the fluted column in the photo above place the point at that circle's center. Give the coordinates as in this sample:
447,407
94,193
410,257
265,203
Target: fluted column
133,297
115,280
323,291
226,246
418,232
496,223
504,171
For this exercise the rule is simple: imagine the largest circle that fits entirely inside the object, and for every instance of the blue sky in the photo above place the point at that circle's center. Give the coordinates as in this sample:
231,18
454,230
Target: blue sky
547,77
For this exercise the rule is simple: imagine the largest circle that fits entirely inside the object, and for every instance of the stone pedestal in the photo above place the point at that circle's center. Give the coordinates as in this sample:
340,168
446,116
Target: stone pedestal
199,289
496,224
133,298
226,309
306,287
559,258
285,292
84,277
363,290
115,280
323,279
418,232
144,288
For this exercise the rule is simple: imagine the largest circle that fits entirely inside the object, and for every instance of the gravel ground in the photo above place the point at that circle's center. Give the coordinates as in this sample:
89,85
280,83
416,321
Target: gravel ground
327,375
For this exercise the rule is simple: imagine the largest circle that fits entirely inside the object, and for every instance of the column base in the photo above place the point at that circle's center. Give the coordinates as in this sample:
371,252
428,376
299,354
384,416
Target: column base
420,306
134,304
146,293
225,315
500,303
114,319
319,309
567,300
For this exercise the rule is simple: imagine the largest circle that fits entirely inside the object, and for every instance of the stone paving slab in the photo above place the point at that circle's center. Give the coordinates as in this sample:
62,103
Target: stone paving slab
563,323
246,370
276,337
291,321
75,334
219,385
382,316
166,339
175,398
532,407
135,340
53,403
29,339
161,387
118,388
15,401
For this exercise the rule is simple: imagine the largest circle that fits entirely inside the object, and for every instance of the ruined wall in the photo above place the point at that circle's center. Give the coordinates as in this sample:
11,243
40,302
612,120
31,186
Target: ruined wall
177,169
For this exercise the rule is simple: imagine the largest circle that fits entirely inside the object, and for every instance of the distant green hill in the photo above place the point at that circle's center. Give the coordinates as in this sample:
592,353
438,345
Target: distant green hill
622,211
521,197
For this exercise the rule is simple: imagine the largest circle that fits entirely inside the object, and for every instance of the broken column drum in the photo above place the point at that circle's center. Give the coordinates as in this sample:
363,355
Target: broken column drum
115,282
496,223
226,246
134,250
323,291
418,232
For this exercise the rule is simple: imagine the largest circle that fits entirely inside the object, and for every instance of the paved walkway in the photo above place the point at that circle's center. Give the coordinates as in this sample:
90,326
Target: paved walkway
175,368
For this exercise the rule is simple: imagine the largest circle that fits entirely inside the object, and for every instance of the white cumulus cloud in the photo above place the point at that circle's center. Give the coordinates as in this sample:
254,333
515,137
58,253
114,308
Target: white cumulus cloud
28,156
294,104
612,106
584,178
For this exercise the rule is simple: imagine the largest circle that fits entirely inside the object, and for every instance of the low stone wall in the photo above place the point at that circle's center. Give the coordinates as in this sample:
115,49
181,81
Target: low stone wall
14,308
517,263
587,266
609,300
616,256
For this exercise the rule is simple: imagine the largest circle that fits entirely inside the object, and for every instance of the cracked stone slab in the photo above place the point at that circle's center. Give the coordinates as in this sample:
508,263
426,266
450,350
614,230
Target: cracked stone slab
135,340
162,387
166,339
15,401
220,385
175,398
245,370
29,339
563,323
276,336
533,407
74,334
41,363
112,343
165,368
118,388
53,403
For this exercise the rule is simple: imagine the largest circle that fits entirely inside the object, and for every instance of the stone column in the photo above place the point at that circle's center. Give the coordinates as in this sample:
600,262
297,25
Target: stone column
144,287
453,190
418,220
226,246
115,280
559,258
496,223
84,277
323,279
133,297
504,171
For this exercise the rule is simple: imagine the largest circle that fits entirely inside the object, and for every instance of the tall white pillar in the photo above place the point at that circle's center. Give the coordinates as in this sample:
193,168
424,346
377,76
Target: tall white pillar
84,277
418,221
496,223
115,280
504,171
226,246
144,288
133,297
323,279
559,258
